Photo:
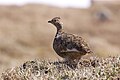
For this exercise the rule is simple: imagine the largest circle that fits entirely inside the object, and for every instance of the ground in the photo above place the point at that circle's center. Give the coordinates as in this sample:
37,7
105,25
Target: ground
90,69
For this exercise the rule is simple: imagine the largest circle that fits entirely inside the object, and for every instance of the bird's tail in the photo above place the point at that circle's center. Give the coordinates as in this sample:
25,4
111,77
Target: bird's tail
90,52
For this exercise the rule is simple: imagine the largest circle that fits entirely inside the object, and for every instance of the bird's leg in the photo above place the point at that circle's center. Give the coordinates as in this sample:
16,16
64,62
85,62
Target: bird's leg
72,63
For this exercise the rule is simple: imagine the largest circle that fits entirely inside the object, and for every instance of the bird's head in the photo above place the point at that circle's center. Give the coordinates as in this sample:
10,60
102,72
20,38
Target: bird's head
56,22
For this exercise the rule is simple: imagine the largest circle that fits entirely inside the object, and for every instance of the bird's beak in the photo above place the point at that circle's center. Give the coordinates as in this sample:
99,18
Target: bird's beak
49,22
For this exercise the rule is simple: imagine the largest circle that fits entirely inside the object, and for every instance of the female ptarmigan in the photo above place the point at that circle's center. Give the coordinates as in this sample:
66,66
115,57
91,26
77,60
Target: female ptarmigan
69,46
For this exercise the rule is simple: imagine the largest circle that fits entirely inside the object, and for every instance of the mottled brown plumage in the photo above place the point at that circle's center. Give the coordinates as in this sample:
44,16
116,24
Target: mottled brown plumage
68,46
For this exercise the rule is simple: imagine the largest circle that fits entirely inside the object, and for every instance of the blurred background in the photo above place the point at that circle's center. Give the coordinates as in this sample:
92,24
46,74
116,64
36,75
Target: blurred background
26,35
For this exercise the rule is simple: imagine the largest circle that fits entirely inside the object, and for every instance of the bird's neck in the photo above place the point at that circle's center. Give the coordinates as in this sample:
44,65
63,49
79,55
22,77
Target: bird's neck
59,26
59,31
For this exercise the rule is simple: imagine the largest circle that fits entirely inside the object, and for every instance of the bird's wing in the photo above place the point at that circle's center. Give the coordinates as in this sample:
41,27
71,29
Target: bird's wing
73,43
81,45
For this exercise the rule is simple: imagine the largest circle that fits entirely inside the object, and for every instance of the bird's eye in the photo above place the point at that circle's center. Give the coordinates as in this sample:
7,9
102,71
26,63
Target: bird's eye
55,20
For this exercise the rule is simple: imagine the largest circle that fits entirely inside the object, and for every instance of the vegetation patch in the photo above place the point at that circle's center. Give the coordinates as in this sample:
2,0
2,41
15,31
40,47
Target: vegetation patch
88,69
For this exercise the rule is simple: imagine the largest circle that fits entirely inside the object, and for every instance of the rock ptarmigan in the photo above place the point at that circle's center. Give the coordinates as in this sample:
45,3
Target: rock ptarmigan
68,46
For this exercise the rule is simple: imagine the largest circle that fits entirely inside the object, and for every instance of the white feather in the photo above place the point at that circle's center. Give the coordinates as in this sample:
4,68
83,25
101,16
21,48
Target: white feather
72,50
58,35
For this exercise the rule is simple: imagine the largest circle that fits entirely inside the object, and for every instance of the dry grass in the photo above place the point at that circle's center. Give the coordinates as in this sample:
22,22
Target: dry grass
90,69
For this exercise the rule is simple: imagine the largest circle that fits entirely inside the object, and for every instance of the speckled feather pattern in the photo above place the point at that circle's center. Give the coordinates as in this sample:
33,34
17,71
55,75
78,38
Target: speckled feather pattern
68,46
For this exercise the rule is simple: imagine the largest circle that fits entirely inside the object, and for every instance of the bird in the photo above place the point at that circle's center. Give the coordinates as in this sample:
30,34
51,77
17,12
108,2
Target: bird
70,47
